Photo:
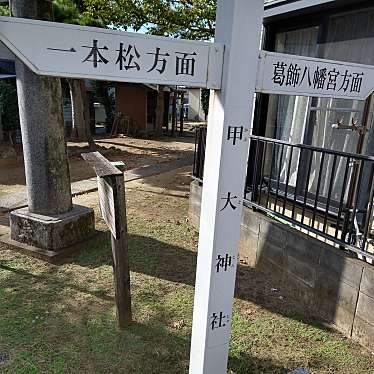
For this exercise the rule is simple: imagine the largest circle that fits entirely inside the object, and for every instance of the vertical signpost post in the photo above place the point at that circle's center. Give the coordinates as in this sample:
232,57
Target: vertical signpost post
238,26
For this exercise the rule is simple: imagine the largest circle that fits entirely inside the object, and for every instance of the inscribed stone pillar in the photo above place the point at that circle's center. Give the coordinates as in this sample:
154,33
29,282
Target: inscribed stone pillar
50,223
42,126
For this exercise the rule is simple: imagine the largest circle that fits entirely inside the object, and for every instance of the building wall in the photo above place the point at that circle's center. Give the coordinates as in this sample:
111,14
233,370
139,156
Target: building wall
195,111
330,284
131,100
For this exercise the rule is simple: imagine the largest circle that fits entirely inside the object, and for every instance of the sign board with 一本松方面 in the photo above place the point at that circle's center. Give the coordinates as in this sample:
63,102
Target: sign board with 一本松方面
284,74
71,51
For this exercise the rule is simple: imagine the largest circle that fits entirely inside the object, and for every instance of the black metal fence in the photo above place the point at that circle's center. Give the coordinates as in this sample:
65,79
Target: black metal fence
327,194
199,156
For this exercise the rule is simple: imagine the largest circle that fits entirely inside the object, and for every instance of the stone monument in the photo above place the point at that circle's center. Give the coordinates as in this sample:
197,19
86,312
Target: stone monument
50,221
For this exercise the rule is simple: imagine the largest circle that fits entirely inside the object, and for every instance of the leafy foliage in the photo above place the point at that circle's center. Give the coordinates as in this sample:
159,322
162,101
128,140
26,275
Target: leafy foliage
105,96
65,11
69,11
192,19
9,105
4,10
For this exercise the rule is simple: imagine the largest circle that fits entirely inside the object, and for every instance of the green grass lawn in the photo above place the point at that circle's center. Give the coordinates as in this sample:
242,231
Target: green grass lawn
61,318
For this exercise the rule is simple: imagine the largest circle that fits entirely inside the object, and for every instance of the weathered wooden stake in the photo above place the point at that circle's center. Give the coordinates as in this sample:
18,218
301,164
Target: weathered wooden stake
120,256
181,115
111,186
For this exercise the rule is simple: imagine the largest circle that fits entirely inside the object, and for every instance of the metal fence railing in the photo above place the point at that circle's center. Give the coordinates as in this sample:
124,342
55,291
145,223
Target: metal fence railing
325,193
199,156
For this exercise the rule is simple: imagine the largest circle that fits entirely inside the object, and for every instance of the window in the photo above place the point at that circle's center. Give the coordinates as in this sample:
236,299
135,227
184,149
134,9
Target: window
345,36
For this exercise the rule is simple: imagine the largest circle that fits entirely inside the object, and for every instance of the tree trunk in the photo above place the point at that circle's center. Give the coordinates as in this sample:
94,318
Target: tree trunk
1,126
87,116
80,112
42,126
160,106
174,115
76,109
181,115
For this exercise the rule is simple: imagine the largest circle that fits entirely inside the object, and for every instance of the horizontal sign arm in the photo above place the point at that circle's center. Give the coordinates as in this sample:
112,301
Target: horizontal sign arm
70,51
285,74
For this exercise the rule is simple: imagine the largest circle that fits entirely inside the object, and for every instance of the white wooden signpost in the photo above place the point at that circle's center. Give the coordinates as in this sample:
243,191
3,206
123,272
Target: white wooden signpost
71,51
235,68
238,26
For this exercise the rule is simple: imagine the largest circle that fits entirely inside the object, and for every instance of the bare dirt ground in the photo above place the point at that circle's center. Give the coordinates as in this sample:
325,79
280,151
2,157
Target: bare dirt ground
133,152
146,198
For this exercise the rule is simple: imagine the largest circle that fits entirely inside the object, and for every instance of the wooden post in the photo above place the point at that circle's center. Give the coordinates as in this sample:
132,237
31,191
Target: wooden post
111,188
160,107
174,114
120,255
166,111
181,118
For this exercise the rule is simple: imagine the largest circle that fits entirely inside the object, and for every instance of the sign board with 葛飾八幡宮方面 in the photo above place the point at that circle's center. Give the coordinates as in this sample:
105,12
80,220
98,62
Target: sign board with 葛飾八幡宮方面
72,51
284,74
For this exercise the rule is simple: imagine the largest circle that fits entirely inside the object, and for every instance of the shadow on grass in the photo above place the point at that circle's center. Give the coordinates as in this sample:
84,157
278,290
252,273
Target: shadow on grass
245,364
175,264
47,326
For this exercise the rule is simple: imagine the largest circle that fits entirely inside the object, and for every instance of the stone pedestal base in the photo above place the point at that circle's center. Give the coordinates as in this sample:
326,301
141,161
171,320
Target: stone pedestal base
52,233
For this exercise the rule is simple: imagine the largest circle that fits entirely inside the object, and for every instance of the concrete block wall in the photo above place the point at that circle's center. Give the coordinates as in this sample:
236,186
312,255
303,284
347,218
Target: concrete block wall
331,284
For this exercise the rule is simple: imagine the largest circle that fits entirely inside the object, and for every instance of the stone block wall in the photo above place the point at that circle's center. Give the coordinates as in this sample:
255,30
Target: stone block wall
330,283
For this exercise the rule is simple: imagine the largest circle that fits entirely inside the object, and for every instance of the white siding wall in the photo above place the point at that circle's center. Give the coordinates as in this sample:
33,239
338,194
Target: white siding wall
195,111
